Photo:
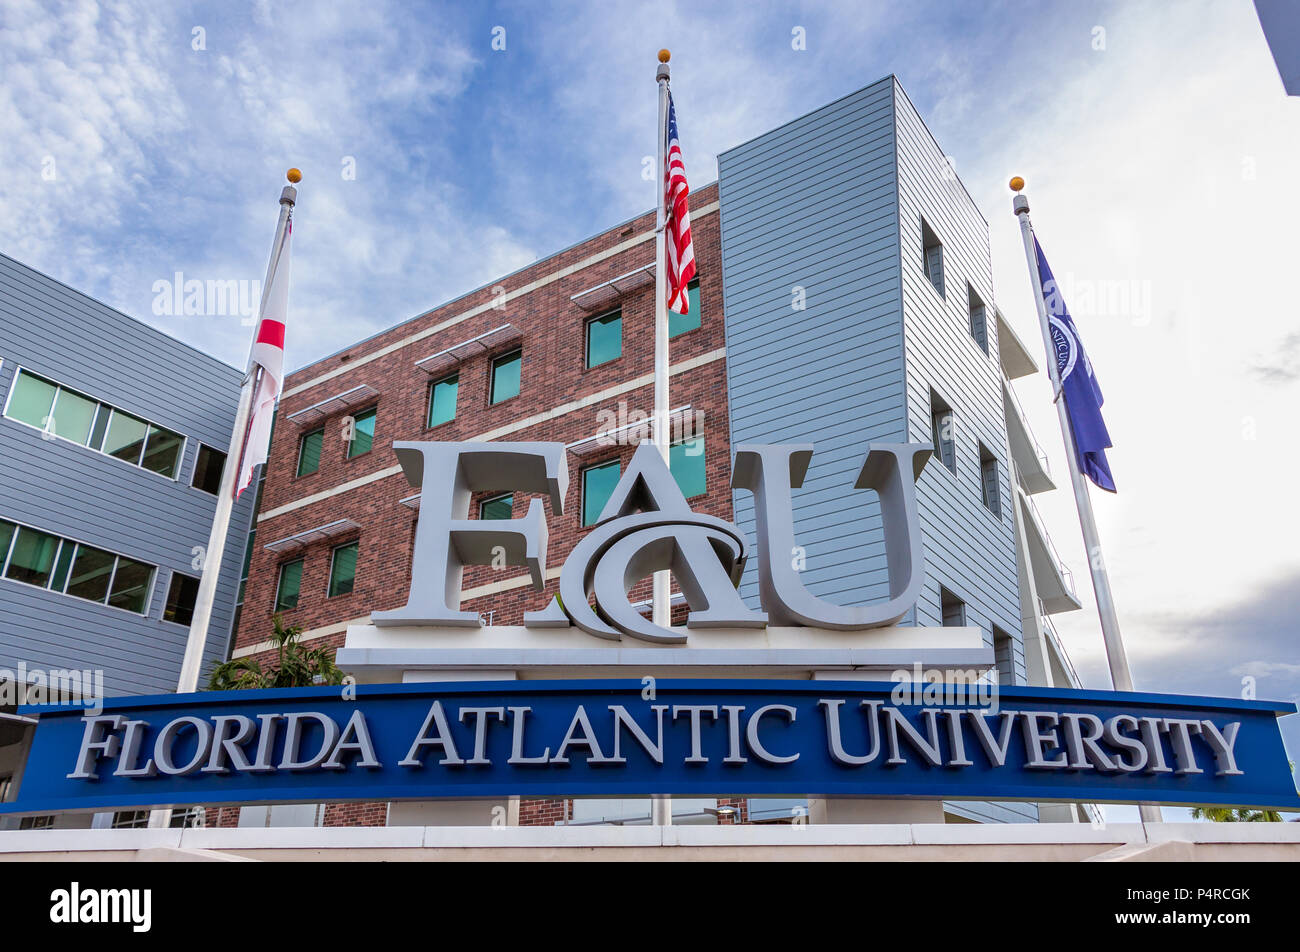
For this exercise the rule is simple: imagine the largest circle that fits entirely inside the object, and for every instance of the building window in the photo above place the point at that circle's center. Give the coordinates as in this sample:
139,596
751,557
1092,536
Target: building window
343,569
92,570
604,338
979,324
36,822
70,568
686,462
363,433
681,323
182,592
54,409
932,252
505,376
131,820
498,507
989,481
952,608
442,400
1004,656
32,558
598,484
130,586
290,584
941,431
207,469
309,448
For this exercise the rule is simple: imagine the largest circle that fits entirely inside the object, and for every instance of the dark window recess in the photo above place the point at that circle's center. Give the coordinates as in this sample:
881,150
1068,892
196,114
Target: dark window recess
181,594
979,329
941,431
207,469
989,481
932,252
953,608
1004,656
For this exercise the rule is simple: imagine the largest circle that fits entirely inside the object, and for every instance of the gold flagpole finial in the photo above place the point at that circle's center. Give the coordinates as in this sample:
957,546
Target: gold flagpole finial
1016,183
294,176
664,56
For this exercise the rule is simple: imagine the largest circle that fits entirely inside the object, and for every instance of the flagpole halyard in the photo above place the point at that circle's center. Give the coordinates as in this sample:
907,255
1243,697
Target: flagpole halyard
1116,656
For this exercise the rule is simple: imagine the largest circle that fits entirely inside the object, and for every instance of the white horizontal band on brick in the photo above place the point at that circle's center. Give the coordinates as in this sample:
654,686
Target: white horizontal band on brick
635,383
696,213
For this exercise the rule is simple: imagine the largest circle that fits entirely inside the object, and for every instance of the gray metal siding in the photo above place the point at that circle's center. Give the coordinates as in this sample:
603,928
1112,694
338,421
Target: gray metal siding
813,205
78,493
969,550
833,202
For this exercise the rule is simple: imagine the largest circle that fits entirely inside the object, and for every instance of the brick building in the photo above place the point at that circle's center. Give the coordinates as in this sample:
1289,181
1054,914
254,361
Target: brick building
859,307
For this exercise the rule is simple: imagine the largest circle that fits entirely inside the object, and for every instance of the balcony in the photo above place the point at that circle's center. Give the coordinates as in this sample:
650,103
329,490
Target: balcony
1014,356
1054,582
1031,465
1063,673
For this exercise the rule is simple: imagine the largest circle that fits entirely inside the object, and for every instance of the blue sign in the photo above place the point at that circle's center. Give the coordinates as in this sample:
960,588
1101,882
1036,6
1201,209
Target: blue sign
629,738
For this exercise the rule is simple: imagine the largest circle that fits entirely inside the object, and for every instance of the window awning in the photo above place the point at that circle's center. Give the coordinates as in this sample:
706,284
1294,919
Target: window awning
335,404
605,294
300,540
411,502
446,361
683,423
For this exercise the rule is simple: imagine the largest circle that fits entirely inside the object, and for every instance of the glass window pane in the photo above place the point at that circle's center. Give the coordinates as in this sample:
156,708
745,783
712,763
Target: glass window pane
505,376
62,565
31,400
604,338
181,595
597,486
686,461
101,425
91,570
309,452
162,455
442,402
286,593
73,416
363,434
33,556
207,469
343,569
7,532
499,508
681,323
131,583
125,437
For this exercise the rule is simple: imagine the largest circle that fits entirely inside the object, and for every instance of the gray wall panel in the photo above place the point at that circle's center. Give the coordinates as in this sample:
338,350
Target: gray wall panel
75,492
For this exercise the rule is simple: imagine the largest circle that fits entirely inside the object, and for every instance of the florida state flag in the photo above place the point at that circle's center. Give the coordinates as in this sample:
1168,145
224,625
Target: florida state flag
268,363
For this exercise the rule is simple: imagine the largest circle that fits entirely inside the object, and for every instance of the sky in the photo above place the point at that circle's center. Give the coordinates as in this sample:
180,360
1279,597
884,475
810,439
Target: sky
444,145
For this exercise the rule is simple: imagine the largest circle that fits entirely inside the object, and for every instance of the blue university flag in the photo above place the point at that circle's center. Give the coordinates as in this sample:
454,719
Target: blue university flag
1079,387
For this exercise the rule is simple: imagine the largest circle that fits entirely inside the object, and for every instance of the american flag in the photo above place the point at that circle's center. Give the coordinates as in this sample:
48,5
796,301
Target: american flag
677,220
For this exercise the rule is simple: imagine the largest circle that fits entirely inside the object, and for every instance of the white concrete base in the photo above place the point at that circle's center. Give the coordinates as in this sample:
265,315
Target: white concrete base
877,842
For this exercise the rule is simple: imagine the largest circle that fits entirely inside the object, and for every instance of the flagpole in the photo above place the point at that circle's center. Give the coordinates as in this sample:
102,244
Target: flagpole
1120,675
191,665
661,609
